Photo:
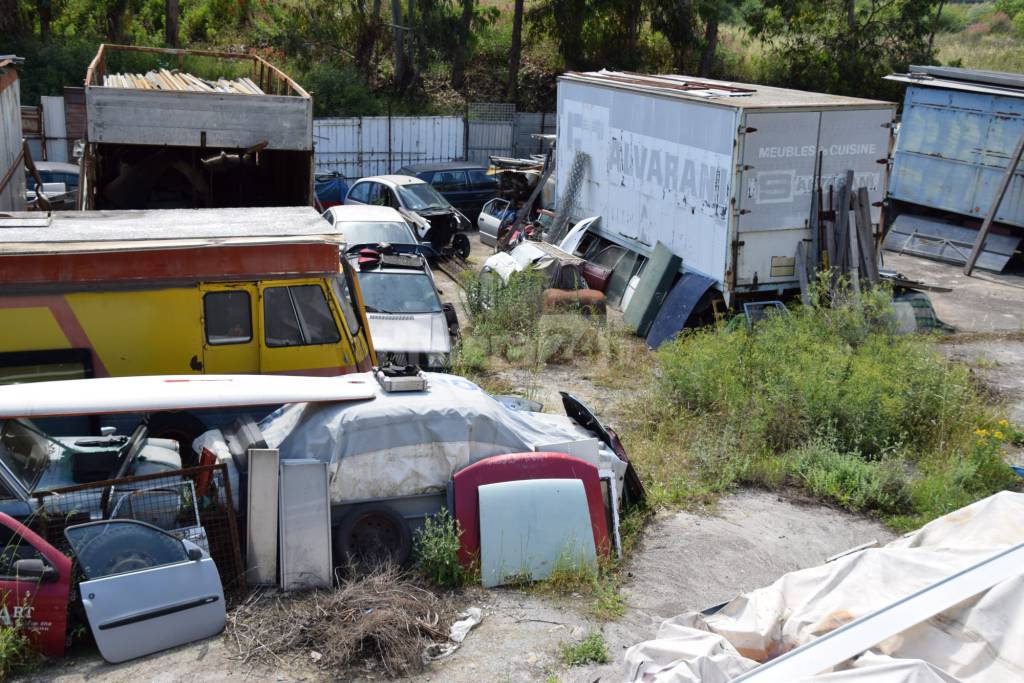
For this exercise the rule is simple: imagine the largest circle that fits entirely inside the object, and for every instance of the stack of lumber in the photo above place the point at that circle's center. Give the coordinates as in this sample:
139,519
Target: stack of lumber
182,81
842,242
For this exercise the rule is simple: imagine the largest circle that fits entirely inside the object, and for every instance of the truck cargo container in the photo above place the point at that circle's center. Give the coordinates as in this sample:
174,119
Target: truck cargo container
173,128
720,173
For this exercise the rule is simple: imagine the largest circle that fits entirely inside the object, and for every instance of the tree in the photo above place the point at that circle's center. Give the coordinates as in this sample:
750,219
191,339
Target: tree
171,12
367,32
515,52
842,46
462,45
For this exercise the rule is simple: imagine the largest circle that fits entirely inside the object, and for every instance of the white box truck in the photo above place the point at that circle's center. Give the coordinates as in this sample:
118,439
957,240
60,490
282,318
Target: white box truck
720,173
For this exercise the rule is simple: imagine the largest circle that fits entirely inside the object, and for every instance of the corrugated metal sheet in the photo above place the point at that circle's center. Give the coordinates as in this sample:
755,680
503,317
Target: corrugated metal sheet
952,151
375,145
12,196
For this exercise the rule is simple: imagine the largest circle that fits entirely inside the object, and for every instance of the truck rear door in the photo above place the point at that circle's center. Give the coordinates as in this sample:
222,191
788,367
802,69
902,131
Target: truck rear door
145,590
230,340
37,602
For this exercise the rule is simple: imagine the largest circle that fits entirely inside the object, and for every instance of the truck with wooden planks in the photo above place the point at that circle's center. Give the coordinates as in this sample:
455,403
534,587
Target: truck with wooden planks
170,128
719,173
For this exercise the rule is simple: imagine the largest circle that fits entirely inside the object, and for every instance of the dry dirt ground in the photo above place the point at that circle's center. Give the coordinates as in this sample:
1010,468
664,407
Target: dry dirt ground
686,561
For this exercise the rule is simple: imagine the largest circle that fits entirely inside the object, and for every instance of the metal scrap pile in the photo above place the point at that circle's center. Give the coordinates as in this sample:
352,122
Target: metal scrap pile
163,79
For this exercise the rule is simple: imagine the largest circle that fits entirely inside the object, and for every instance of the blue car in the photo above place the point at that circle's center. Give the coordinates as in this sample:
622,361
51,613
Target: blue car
465,185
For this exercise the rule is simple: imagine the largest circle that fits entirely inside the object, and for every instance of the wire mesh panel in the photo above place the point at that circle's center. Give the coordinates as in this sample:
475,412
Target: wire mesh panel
194,504
491,130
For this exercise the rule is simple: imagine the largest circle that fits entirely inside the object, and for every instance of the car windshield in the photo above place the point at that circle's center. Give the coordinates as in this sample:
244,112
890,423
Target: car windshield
398,293
420,196
24,451
366,232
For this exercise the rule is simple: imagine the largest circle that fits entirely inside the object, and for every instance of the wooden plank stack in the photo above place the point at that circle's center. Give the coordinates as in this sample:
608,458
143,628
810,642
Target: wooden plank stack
842,240
162,79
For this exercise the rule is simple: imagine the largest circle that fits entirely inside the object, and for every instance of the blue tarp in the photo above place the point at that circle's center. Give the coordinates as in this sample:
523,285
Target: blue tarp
331,189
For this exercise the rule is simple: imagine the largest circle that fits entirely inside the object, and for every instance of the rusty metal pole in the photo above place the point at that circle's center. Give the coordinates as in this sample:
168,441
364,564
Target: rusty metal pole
979,242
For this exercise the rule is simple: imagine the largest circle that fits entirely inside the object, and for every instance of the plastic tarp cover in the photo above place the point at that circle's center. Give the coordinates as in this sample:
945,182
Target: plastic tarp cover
978,641
409,443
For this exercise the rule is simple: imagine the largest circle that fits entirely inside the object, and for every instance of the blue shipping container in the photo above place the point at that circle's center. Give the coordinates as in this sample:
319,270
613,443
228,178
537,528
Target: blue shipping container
952,150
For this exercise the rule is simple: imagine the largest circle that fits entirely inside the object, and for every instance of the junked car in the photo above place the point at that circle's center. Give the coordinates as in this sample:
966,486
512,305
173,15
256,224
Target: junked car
408,323
391,459
433,218
360,225
463,183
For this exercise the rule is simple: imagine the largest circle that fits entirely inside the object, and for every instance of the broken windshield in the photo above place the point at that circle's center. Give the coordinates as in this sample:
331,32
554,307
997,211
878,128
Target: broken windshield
421,196
24,451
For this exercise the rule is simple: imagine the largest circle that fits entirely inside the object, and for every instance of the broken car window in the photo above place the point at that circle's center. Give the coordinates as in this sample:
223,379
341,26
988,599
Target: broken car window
121,546
24,452
228,317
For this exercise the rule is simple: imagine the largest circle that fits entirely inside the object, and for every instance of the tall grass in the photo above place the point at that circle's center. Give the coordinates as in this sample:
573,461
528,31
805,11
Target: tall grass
828,399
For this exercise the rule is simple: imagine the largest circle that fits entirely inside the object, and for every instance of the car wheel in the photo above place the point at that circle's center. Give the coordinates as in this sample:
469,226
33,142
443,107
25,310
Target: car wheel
460,245
371,535
183,428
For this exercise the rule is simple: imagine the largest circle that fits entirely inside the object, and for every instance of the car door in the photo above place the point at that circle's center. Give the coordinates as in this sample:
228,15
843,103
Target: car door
35,582
144,590
489,221
230,344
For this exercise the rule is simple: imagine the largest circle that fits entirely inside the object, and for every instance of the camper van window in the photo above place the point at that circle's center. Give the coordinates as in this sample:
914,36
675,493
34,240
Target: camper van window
317,323
228,317
297,316
343,293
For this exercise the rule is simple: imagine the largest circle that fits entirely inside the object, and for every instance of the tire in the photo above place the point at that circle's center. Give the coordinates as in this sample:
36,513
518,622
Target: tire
183,428
371,535
461,246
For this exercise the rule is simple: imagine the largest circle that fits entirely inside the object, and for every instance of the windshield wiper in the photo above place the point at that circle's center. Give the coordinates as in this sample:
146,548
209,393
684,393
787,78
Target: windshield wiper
374,309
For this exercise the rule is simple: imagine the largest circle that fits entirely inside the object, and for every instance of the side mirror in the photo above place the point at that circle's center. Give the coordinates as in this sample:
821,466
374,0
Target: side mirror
108,430
195,554
35,569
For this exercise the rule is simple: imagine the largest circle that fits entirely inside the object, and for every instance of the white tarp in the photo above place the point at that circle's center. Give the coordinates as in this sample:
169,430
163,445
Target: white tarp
977,641
409,443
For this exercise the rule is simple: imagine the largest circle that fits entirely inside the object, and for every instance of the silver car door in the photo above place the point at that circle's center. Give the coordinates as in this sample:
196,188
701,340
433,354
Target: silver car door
145,590
489,220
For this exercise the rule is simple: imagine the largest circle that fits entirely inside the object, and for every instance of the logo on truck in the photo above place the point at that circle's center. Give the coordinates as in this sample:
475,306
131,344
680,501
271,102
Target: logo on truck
699,178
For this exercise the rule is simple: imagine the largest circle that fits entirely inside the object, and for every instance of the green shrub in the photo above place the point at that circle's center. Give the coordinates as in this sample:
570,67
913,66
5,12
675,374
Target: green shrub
590,650
827,398
437,550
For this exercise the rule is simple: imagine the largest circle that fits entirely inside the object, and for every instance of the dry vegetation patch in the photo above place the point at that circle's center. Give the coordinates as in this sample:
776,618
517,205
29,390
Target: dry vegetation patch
388,615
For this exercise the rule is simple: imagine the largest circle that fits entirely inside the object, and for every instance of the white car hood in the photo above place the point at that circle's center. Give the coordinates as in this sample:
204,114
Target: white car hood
410,332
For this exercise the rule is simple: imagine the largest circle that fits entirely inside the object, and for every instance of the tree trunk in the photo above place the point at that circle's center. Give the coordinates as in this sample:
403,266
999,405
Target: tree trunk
171,22
462,46
935,27
401,65
514,52
115,20
366,42
707,55
44,8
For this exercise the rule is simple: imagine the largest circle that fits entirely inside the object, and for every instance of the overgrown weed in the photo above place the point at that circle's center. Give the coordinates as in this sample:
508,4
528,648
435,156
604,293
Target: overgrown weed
590,650
828,399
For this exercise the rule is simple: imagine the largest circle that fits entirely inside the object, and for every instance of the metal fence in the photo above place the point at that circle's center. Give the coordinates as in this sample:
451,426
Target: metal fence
194,504
374,145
